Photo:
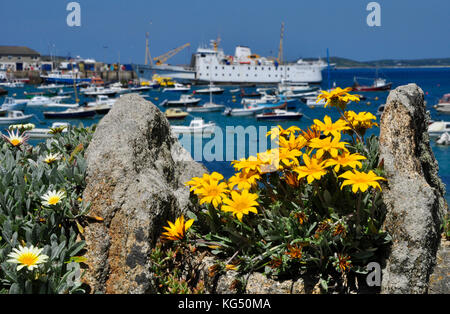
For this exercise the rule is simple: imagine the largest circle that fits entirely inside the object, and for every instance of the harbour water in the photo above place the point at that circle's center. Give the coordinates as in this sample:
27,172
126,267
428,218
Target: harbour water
434,81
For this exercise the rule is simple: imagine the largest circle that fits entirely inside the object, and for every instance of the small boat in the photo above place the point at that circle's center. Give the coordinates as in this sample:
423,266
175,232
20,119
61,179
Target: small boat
379,84
208,107
279,114
50,86
195,127
48,93
13,84
234,90
175,113
14,117
177,87
211,89
96,91
38,133
437,128
295,88
247,110
102,100
185,100
443,106
11,103
444,139
71,113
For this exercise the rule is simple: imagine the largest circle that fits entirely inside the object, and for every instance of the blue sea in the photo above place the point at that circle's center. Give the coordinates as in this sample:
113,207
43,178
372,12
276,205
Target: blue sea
434,82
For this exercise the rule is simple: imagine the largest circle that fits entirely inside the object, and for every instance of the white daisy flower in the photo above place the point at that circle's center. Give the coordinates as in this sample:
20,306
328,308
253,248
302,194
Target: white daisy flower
29,257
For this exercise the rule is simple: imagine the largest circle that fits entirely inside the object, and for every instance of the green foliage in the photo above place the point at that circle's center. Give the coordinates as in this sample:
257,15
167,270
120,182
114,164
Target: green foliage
25,178
175,270
315,228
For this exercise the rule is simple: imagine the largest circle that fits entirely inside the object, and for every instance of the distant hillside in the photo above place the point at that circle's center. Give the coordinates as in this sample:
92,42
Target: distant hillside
348,63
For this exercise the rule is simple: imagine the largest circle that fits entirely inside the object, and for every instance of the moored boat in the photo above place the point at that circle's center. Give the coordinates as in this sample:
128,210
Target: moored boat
379,84
197,126
71,113
279,114
10,103
207,107
437,128
175,113
14,117
185,100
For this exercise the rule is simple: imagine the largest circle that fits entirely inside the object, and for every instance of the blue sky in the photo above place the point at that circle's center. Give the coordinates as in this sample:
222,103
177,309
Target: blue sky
410,28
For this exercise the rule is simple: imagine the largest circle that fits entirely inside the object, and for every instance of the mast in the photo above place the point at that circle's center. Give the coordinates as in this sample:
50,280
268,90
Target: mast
328,70
280,48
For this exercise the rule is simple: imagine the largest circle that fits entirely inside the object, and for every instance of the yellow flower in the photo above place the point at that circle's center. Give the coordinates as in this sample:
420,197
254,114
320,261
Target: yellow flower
244,180
50,158
212,192
345,159
343,262
293,142
197,182
329,145
251,164
270,161
230,267
337,97
309,134
280,132
328,127
361,121
240,204
29,257
313,169
14,138
361,180
52,197
178,230
289,157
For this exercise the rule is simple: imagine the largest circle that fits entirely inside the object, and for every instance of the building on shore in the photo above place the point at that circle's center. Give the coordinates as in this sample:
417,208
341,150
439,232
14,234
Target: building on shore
19,58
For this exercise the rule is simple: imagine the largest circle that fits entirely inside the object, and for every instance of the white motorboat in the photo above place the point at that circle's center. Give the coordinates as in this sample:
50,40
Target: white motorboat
278,115
211,89
50,86
46,102
102,100
207,107
444,139
13,84
197,126
177,87
11,103
443,106
95,91
295,88
247,110
264,99
185,100
438,128
14,117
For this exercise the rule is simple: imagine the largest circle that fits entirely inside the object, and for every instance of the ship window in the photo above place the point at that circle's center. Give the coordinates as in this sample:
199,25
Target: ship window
216,74
256,68
207,67
223,68
223,74
247,74
288,69
276,75
249,68
238,74
269,75
269,68
233,68
216,67
263,69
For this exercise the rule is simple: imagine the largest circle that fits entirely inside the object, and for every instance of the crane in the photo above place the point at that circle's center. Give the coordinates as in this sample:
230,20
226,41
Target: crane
280,48
163,58
216,42
147,51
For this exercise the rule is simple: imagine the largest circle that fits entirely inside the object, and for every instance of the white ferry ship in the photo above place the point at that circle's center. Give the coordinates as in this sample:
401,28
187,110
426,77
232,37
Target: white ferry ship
212,65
